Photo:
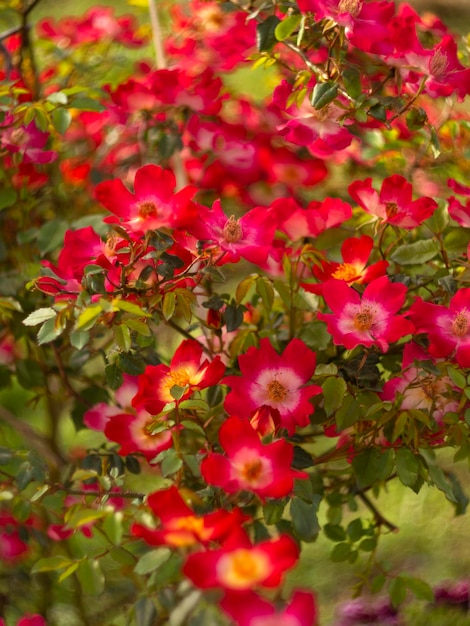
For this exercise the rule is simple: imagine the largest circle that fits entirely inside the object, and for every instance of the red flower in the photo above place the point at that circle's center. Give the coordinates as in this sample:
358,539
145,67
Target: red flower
180,526
241,566
297,222
369,322
249,237
248,609
277,381
355,253
448,329
250,465
138,432
153,205
187,370
394,204
28,141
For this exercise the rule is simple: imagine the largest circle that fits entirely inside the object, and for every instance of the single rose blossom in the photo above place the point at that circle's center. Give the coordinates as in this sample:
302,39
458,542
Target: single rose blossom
368,321
264,469
446,328
153,204
239,565
187,370
394,204
180,527
279,381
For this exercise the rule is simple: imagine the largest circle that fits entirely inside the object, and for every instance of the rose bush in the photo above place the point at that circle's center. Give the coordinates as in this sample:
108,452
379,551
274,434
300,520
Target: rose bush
227,299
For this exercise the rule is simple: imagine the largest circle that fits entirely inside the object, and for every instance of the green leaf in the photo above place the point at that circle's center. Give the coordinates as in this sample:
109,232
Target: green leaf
355,530
304,519
7,198
273,510
348,413
407,467
88,318
397,591
340,552
243,288
415,253
288,25
79,339
457,376
120,555
122,337
169,305
334,532
131,363
87,104
90,577
130,307
334,389
352,82
49,331
51,564
58,97
151,561
371,466
39,316
51,235
233,317
61,120
265,291
419,588
265,33
81,517
323,94
113,375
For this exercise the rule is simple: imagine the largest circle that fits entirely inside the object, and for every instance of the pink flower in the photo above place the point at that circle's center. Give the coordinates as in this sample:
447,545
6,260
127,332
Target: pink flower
248,609
180,527
187,371
153,205
239,565
394,204
249,464
457,211
277,381
420,389
447,329
249,237
298,223
28,141
367,322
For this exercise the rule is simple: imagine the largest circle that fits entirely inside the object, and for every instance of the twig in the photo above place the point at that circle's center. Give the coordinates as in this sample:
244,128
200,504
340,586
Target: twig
379,518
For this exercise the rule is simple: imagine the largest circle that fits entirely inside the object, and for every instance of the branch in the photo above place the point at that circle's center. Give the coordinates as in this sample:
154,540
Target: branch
380,520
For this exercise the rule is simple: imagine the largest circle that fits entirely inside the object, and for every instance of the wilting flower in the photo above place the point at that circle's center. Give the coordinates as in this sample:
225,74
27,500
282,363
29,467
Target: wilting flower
277,381
239,565
187,371
394,203
250,465
180,526
370,321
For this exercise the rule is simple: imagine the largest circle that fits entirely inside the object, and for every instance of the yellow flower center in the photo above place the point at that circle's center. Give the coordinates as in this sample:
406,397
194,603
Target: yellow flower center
460,324
251,471
180,377
346,272
391,208
438,64
147,209
350,6
186,531
364,319
232,230
276,391
243,568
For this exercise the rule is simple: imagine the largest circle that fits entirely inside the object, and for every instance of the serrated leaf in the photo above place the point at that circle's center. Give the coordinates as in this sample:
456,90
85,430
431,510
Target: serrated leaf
371,466
122,337
79,339
457,377
114,377
243,288
82,517
340,552
352,82
39,316
304,519
130,307
48,332
88,318
415,253
323,94
265,290
68,572
419,588
169,305
397,591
